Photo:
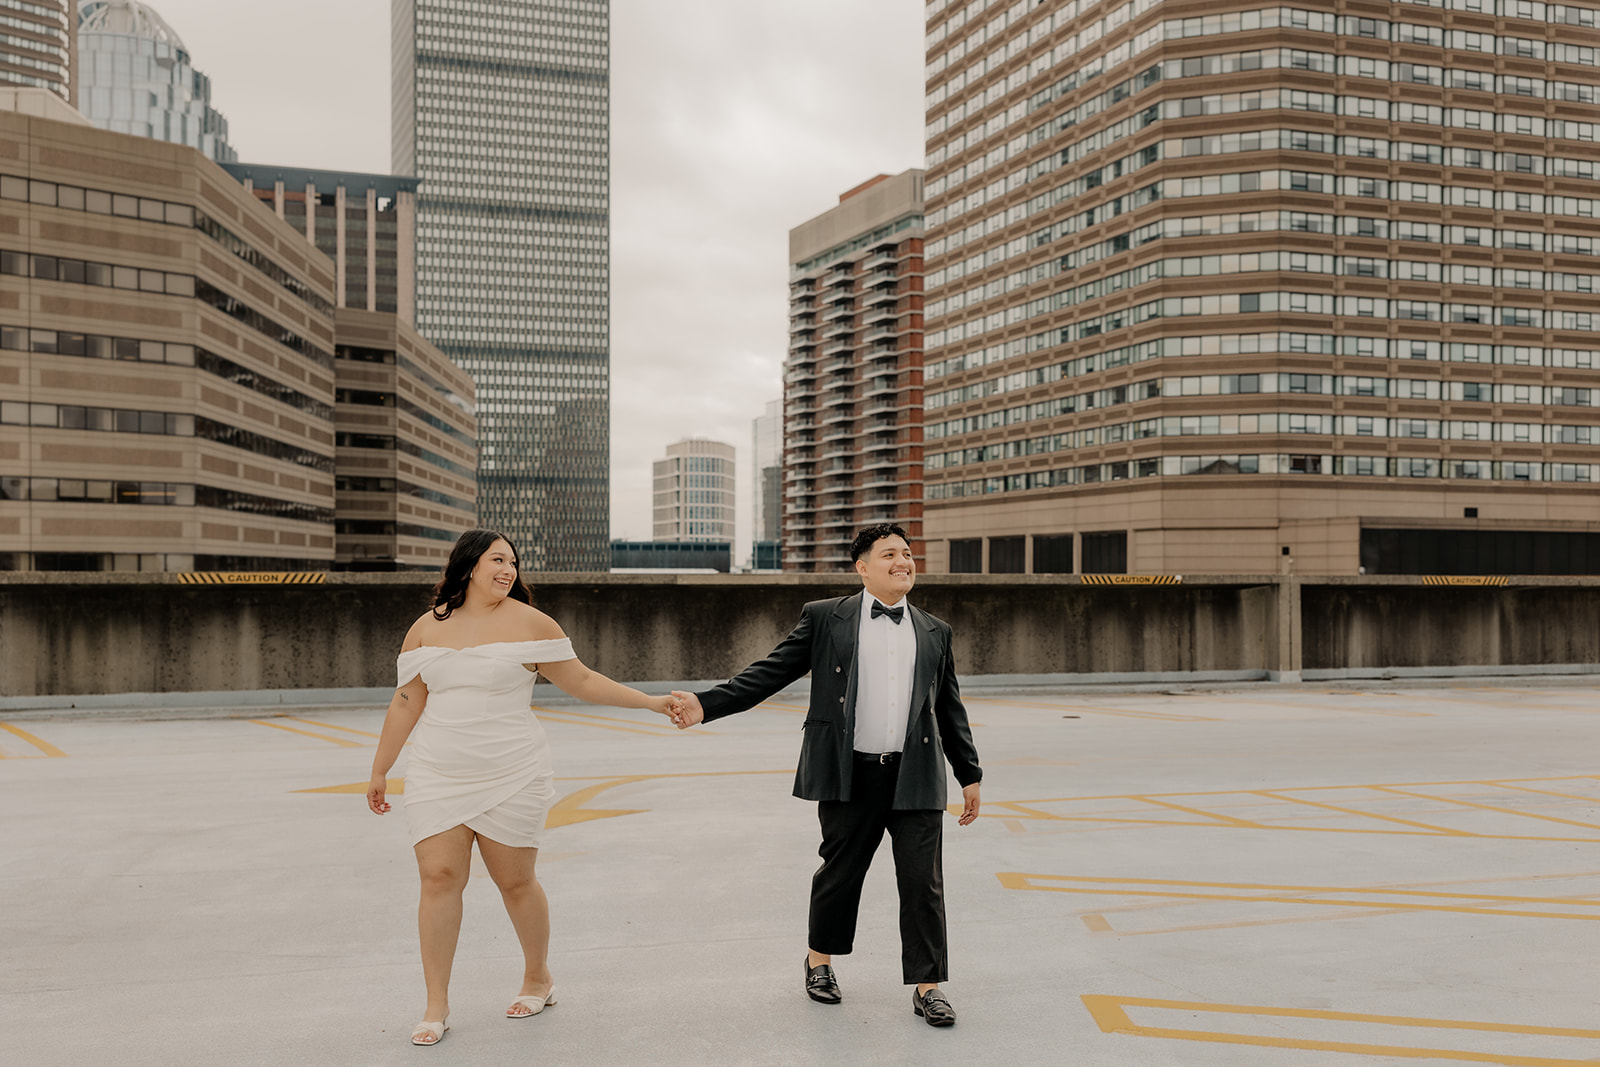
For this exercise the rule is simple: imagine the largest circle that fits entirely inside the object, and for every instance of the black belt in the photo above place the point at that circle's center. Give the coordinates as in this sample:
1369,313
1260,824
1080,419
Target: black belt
878,757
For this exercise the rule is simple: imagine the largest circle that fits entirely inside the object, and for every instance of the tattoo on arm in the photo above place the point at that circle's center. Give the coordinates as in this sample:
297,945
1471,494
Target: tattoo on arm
405,696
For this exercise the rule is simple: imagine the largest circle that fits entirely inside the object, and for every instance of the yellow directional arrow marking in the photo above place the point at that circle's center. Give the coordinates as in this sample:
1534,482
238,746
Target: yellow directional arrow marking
43,746
569,809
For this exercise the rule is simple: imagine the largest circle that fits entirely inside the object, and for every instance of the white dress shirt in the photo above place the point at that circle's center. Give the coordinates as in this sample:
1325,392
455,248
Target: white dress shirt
886,658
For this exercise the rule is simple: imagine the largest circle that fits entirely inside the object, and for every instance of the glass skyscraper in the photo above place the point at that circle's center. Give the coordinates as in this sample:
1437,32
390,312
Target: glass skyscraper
136,76
502,111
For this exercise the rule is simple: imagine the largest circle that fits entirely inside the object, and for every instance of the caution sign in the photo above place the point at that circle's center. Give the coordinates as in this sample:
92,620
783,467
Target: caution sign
1465,579
253,578
1132,579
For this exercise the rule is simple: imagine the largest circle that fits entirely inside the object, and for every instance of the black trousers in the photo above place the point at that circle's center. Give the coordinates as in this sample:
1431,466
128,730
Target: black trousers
851,832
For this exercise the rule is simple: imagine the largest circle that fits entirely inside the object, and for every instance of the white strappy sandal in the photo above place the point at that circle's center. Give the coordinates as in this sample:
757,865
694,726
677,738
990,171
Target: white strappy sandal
428,1033
536,1003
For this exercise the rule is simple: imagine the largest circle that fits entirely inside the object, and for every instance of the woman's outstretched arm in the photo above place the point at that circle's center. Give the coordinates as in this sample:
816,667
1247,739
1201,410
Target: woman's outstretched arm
405,708
573,678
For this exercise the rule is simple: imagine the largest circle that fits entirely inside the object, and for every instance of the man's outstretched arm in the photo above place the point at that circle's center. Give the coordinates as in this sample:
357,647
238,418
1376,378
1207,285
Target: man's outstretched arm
783,665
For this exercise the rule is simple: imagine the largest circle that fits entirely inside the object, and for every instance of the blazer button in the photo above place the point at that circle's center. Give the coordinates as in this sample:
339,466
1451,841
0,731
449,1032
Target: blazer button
924,740
838,670
841,700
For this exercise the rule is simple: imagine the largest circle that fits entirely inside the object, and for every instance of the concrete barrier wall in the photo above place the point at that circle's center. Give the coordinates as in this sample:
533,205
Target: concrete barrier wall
1380,626
69,634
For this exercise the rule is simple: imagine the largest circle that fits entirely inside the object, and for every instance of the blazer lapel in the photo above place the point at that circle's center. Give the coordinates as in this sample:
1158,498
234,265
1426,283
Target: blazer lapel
922,676
847,629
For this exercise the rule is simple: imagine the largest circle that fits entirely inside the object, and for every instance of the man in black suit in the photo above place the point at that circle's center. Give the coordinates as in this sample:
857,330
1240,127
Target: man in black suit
885,707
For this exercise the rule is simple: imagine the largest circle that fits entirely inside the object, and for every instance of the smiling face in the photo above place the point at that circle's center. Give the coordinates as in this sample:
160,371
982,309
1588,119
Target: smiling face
495,571
887,569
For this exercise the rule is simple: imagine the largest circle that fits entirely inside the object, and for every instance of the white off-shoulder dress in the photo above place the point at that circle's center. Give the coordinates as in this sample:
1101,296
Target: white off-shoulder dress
479,756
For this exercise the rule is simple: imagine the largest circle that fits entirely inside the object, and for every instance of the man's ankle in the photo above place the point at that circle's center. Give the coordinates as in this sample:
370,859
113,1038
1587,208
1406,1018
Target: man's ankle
923,987
817,959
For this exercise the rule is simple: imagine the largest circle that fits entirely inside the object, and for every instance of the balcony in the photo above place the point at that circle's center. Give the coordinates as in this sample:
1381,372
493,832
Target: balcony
843,328
882,333
877,315
877,260
835,276
837,346
836,296
877,297
837,311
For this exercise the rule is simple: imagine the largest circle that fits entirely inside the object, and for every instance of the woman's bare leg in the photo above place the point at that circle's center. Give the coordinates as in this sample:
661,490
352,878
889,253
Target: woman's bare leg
443,861
512,871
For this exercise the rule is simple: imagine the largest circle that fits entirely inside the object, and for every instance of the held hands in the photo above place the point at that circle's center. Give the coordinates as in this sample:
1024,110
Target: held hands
691,713
969,805
671,707
375,792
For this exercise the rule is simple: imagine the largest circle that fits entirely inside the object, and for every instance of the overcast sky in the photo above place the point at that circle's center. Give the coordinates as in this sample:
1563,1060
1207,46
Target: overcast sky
731,122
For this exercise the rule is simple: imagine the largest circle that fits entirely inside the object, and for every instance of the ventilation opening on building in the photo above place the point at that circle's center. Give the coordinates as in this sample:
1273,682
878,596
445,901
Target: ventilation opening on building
1479,552
966,556
1008,555
1052,554
1105,553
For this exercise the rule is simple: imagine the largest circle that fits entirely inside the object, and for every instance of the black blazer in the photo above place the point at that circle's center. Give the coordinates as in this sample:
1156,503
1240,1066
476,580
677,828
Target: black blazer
824,643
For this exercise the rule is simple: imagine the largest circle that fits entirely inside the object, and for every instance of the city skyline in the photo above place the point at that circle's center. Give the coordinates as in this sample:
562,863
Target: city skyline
712,164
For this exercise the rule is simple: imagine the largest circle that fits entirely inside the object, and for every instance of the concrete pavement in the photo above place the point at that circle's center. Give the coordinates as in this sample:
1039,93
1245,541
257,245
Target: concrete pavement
1266,876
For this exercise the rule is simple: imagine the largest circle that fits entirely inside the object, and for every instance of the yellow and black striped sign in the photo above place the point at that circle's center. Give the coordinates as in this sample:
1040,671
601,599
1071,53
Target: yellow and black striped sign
1465,579
253,578
1132,579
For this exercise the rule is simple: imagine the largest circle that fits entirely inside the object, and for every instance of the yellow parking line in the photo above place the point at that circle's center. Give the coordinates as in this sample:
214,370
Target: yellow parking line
1110,1013
43,746
635,723
1364,814
308,733
1322,896
554,716
1546,792
1229,819
330,726
1485,807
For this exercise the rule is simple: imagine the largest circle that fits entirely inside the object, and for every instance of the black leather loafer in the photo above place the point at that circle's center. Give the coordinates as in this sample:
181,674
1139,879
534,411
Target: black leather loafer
821,986
933,1007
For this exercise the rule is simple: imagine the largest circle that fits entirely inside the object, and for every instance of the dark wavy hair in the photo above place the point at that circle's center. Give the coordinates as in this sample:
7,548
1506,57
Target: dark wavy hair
872,535
451,592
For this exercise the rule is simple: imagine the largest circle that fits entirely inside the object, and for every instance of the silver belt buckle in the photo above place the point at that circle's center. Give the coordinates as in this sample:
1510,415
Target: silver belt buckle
883,758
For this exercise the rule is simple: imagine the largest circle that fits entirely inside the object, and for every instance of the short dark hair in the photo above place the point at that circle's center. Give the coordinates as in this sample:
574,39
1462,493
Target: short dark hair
872,535
451,592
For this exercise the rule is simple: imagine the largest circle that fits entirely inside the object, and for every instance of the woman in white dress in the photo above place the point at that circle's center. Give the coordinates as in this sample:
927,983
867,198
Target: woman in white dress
480,768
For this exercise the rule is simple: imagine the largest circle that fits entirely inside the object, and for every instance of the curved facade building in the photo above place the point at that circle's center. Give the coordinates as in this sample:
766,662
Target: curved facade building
136,76
37,42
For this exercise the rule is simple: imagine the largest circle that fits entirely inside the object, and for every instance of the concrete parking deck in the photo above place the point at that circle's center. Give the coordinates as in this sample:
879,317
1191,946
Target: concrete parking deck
1268,876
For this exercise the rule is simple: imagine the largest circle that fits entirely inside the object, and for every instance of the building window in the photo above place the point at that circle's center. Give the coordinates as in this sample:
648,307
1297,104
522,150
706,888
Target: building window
1052,554
1007,555
966,557
1105,553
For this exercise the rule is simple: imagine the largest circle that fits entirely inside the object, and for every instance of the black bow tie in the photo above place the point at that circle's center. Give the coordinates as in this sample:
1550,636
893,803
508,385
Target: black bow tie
895,614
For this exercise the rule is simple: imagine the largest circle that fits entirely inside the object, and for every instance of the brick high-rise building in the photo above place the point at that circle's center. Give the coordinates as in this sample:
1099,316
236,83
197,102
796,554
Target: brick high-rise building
1245,289
852,395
